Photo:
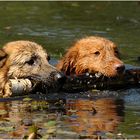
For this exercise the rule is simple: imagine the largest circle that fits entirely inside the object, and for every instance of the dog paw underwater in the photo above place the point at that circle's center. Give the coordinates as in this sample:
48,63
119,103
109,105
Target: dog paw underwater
24,67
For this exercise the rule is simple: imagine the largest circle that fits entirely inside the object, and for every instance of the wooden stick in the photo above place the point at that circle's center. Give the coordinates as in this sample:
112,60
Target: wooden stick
20,86
131,78
83,82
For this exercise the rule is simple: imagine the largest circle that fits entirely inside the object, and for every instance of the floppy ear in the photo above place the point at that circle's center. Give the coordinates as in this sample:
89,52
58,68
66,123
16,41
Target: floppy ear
3,73
3,57
68,62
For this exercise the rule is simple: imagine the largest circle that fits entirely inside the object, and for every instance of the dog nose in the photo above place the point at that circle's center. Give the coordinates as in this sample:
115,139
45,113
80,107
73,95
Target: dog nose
60,77
120,68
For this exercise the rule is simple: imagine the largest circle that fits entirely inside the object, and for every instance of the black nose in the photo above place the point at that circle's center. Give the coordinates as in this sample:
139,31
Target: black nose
120,68
60,77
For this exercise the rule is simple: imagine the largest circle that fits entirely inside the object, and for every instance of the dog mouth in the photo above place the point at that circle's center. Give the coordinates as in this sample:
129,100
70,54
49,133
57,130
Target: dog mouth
31,85
98,74
36,83
113,75
21,86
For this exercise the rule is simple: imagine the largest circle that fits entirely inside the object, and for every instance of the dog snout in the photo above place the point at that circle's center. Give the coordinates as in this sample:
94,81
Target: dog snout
58,77
120,68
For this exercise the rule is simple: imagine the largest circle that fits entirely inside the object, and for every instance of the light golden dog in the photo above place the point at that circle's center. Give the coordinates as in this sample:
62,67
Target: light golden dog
25,59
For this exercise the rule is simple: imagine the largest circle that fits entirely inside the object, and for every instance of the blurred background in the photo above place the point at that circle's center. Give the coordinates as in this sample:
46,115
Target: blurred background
56,25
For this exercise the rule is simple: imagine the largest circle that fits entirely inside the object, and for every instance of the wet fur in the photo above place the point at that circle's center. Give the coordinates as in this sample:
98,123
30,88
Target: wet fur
23,59
91,54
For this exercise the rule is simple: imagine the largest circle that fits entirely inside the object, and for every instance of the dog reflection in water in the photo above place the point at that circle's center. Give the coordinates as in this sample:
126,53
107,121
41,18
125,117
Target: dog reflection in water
90,118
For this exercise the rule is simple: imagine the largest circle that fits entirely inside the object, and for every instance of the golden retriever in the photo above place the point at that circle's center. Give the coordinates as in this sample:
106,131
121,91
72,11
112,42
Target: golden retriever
25,59
92,54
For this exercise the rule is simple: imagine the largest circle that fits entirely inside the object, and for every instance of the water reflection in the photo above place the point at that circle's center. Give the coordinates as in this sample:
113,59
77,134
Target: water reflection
81,118
21,119
12,119
88,117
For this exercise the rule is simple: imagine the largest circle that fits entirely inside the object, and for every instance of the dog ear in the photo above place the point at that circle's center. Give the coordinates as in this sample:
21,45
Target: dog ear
3,57
68,63
3,72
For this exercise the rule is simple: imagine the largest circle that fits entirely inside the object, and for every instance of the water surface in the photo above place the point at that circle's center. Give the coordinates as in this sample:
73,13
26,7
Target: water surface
55,25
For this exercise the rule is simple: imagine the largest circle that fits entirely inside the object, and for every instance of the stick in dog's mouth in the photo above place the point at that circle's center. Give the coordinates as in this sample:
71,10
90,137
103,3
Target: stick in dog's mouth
21,86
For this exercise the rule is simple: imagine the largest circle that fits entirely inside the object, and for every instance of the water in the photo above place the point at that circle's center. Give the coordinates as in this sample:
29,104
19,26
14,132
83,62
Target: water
55,25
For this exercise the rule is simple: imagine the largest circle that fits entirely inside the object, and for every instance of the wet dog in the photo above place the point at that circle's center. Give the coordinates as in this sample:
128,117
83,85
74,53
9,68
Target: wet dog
25,59
92,54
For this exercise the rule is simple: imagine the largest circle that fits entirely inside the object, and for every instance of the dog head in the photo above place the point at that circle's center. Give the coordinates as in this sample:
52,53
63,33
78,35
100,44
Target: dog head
27,59
92,54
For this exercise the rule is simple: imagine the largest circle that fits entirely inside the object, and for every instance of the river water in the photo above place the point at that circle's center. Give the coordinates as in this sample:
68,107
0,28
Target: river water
92,114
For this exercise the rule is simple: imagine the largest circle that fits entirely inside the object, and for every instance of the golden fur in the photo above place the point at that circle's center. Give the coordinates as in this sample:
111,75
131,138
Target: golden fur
23,59
92,54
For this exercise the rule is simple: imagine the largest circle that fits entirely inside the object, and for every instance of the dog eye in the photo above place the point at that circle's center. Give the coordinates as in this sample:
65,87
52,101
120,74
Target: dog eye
116,52
48,58
97,53
31,61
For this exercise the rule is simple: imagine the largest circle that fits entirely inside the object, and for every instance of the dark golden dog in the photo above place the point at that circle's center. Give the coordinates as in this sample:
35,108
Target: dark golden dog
92,54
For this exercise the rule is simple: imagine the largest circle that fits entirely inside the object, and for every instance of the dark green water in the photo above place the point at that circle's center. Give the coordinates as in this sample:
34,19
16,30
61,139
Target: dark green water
55,25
